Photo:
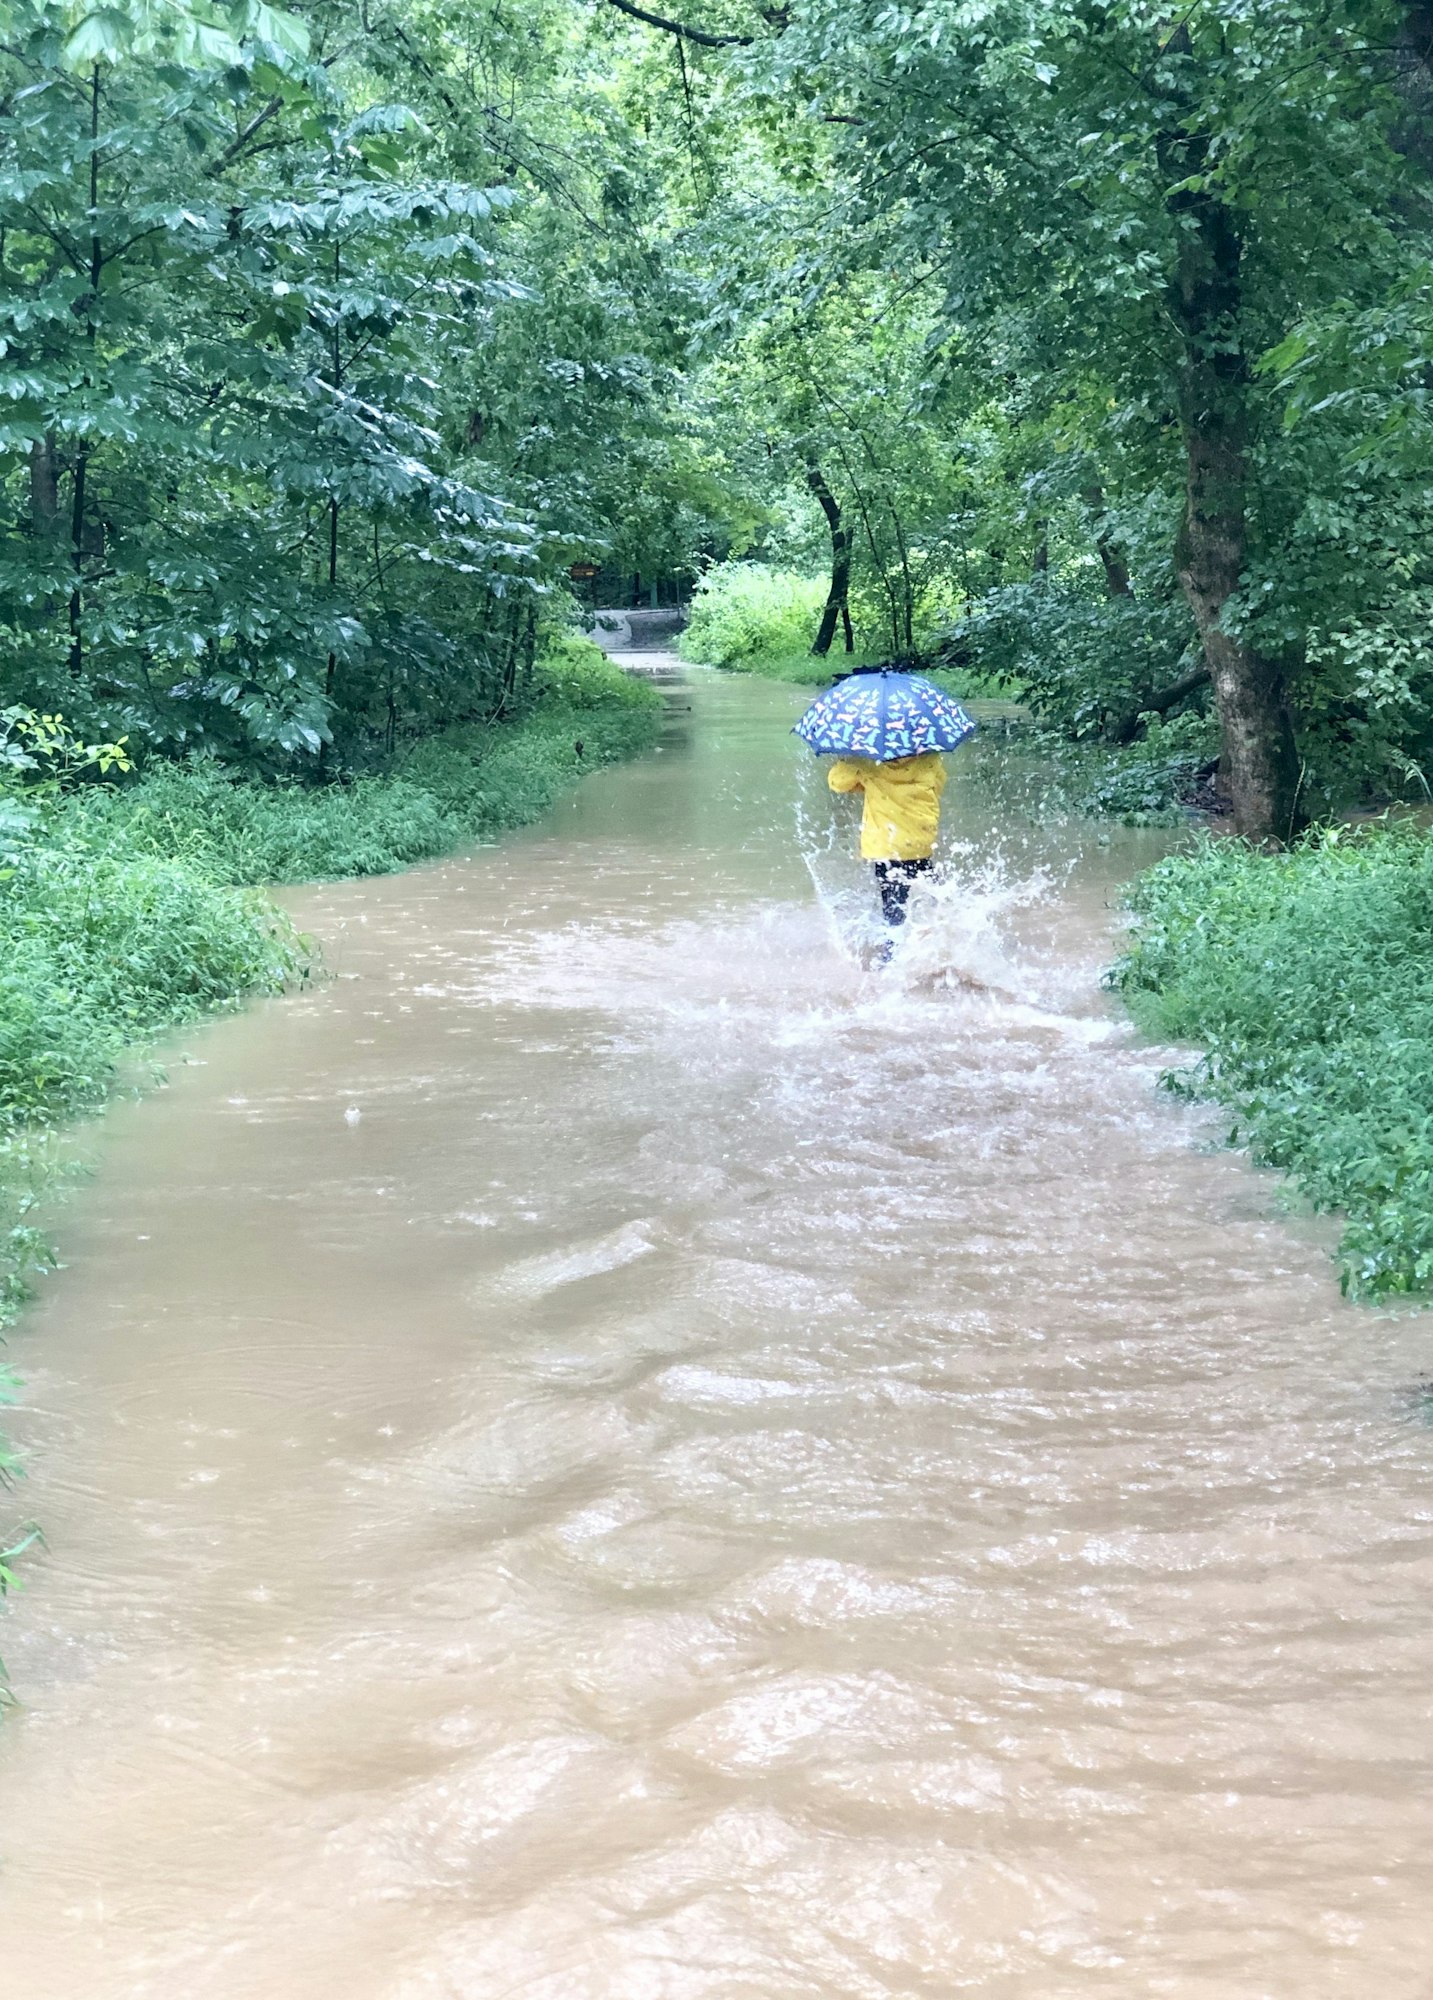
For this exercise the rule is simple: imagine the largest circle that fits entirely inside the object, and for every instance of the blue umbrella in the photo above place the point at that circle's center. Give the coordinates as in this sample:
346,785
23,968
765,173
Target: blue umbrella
883,714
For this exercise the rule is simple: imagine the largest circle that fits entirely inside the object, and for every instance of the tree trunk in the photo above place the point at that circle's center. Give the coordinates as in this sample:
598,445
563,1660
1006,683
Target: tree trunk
1260,760
529,646
1117,583
836,599
1411,66
905,636
336,368
82,451
507,679
44,483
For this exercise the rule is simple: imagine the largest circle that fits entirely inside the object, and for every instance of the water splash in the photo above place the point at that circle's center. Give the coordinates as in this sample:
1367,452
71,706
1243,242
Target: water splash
958,936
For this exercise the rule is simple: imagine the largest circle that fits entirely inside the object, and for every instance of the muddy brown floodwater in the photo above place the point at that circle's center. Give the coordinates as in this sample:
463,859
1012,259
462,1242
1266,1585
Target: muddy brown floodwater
732,1478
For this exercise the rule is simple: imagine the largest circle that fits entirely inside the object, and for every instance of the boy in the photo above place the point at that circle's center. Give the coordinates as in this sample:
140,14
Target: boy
899,823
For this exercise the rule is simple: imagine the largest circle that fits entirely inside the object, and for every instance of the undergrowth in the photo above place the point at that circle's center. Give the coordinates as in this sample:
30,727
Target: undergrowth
1307,978
468,784
748,618
744,616
1153,782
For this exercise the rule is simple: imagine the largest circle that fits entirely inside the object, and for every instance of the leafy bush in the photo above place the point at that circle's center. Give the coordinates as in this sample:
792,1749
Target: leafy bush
467,784
751,619
1150,783
575,674
101,949
1076,659
1308,979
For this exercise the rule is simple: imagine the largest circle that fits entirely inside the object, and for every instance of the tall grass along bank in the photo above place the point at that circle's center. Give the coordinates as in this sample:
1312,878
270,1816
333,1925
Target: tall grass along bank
1307,978
471,783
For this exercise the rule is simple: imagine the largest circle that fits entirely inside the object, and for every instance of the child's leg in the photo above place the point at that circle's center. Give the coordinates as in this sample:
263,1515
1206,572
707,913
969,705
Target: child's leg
895,880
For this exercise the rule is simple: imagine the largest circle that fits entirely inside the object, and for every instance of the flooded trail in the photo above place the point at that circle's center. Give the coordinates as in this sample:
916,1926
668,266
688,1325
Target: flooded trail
730,1478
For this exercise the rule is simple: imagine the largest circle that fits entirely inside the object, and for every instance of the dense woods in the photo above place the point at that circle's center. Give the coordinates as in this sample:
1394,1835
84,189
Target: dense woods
1083,344
322,362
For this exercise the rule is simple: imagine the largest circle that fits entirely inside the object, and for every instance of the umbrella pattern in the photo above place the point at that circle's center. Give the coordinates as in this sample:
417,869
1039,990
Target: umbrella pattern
883,716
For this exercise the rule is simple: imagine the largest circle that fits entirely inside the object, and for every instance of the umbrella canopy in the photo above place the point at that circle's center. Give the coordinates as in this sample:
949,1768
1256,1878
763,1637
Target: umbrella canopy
883,715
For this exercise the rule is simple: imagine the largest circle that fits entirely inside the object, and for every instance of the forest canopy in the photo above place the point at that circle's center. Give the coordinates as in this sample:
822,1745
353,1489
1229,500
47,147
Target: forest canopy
346,351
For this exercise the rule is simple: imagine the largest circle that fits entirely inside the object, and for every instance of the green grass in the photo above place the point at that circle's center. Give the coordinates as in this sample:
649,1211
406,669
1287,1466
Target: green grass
466,785
1307,978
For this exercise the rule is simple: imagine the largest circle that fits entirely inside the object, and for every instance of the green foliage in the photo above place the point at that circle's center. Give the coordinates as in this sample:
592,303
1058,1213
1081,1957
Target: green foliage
745,615
1081,661
470,783
1156,781
316,371
1308,979
949,270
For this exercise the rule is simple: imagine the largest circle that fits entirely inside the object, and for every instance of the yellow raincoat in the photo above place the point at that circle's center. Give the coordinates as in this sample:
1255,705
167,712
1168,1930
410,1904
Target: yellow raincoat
902,810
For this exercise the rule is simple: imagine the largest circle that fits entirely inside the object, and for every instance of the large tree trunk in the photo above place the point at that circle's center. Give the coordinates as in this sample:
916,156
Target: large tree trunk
836,599
82,450
1411,67
1259,760
1260,763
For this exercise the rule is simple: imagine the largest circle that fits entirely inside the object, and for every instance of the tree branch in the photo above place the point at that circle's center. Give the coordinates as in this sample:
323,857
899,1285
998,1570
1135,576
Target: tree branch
232,151
1126,727
698,35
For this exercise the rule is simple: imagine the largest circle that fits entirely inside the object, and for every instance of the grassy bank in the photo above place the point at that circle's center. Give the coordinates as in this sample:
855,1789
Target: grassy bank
127,910
1307,978
468,784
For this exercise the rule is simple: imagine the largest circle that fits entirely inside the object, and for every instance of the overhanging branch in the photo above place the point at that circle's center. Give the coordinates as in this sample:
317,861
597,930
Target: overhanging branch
1126,727
698,35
